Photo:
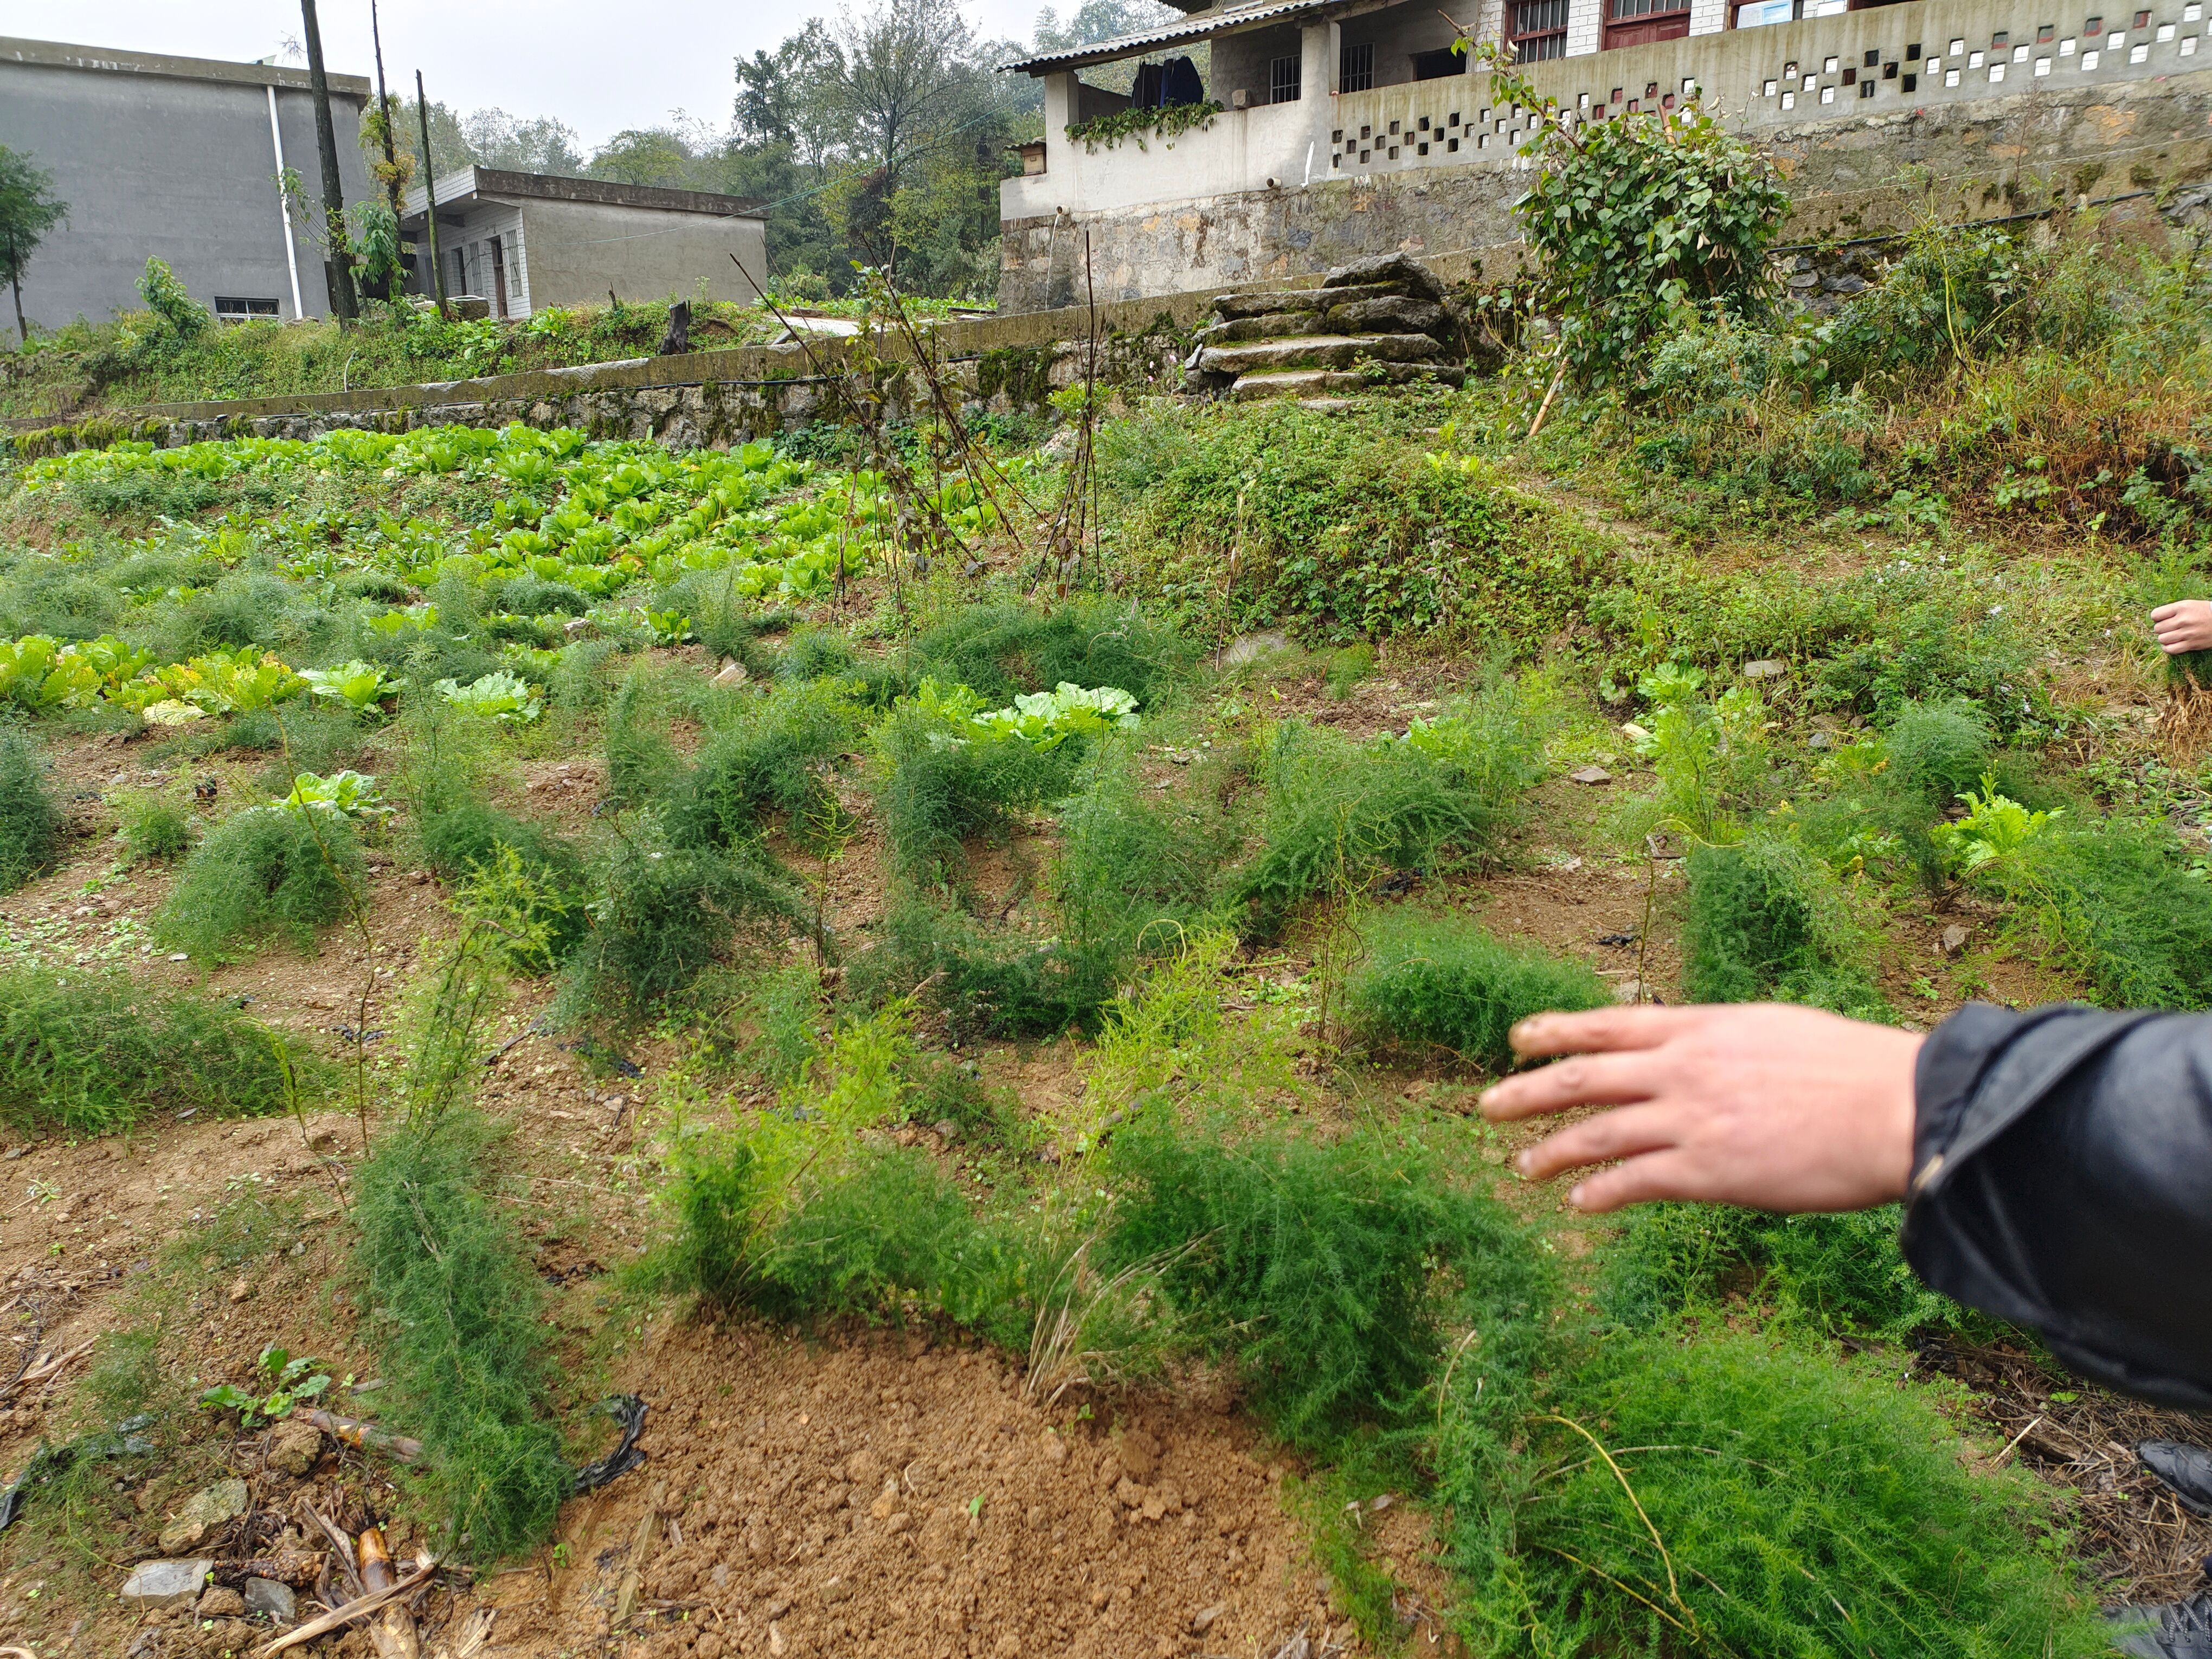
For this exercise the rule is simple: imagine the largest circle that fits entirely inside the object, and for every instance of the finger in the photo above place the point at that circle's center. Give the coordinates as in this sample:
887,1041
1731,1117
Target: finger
1652,1178
1629,1133
1541,1036
2166,611
1584,1080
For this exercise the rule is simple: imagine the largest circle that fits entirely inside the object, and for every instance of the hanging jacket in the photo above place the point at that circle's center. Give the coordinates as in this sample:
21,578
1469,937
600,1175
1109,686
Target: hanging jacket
2062,1179
1180,83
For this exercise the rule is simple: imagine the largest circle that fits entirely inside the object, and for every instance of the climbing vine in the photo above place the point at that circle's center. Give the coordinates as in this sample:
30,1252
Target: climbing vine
1168,122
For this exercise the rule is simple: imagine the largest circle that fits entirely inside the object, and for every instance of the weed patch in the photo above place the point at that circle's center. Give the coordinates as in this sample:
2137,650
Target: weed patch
30,821
1767,920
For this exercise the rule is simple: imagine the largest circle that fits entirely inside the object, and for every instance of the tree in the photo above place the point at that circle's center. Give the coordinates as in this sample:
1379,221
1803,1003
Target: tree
326,153
1100,19
28,210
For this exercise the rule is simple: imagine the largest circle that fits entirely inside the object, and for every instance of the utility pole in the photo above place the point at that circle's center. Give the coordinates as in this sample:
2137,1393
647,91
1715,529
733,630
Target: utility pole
430,197
326,150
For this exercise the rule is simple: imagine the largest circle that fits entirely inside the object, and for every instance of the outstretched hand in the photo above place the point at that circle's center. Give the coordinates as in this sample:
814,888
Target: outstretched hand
2185,625
1765,1105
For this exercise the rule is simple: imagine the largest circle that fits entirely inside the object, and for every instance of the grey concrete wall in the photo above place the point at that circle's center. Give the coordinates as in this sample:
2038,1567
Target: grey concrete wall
1241,63
1986,157
177,165
579,250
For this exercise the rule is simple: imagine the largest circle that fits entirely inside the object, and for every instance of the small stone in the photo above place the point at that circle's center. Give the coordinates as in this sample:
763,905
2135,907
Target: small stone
220,1603
1056,1449
273,1601
1766,668
1009,1647
240,1290
1592,775
946,1129
1202,1620
1954,939
708,1646
167,1583
295,1447
580,627
775,1642
837,1590
205,1511
733,673
1629,990
1251,648
1821,741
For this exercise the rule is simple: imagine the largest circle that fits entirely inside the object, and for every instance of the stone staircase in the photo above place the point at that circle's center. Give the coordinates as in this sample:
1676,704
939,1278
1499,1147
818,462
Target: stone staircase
1377,322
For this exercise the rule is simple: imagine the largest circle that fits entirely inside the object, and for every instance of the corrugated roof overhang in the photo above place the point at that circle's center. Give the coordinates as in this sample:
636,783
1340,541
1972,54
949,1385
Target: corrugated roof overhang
1206,26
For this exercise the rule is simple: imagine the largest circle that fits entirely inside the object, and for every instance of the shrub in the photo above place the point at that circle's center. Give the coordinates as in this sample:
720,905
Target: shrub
1339,813
155,828
1000,651
1748,1496
458,1336
1941,749
1324,1269
773,757
940,789
984,981
30,821
1441,980
92,1053
267,870
1928,654
1766,920
1837,1275
1137,867
2120,906
668,913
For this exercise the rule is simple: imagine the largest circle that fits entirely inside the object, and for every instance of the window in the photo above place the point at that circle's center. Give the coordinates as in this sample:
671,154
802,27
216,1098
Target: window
1640,22
1538,30
1435,65
1283,78
1356,73
231,310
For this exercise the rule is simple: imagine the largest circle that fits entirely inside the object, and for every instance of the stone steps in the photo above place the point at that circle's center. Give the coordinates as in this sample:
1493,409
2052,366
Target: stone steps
1379,322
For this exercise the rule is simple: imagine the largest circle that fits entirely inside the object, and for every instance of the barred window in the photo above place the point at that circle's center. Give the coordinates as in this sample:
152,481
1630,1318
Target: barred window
1357,71
1283,81
1538,30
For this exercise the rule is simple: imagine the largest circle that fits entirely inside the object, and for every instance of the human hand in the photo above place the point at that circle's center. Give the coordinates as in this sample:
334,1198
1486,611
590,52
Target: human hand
1765,1104
2185,625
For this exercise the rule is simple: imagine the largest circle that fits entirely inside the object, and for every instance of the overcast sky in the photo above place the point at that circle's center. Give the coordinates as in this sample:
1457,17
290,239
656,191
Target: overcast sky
599,67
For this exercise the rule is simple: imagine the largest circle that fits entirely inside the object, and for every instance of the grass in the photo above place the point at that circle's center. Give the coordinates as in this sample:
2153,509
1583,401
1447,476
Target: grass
1443,981
2118,902
94,1052
939,791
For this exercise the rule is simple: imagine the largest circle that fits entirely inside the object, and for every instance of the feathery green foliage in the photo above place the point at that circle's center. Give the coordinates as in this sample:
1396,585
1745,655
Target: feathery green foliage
984,981
2119,904
518,874
91,1053
1000,651
30,821
668,913
1339,813
1137,867
1767,920
942,787
1838,1275
265,870
156,829
1325,1270
1447,980
772,757
457,1335
1736,1495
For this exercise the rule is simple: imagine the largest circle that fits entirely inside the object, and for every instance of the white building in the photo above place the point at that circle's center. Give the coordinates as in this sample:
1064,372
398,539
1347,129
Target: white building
523,241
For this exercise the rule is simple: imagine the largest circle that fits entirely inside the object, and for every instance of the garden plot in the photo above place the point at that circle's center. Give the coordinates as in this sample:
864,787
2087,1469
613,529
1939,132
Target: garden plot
991,1067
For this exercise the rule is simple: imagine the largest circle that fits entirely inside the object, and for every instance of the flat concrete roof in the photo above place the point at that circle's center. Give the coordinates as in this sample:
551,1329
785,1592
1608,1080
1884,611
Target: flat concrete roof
492,184
54,54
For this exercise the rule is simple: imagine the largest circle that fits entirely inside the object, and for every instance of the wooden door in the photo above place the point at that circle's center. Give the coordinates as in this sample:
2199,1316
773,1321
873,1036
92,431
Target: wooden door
499,268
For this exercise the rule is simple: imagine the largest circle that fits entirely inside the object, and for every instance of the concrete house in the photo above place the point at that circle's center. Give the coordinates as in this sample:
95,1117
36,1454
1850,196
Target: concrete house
523,241
178,158
1349,127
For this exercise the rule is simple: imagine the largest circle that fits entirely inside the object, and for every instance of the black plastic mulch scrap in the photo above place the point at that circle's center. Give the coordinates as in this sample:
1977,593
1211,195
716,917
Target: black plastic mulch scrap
627,1410
123,1440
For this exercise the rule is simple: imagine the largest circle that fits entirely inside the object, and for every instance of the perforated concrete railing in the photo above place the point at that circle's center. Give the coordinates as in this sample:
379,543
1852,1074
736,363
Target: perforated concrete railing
1885,61
2097,46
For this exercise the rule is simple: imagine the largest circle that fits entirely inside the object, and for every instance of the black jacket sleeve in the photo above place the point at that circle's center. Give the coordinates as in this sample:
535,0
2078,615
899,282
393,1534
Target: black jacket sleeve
2062,1179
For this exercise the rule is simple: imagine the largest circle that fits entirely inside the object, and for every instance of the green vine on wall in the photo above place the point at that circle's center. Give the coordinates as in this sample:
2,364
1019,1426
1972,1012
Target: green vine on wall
1167,123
